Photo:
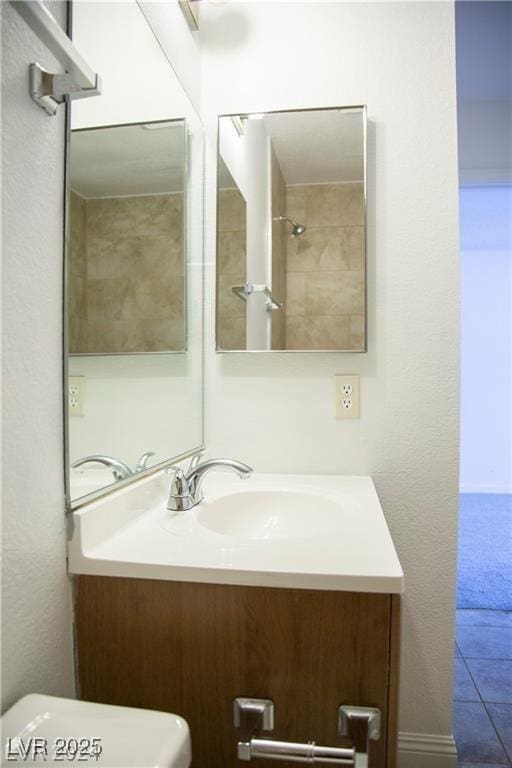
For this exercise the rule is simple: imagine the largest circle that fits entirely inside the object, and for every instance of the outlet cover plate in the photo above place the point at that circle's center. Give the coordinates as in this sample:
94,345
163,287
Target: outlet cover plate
76,395
347,396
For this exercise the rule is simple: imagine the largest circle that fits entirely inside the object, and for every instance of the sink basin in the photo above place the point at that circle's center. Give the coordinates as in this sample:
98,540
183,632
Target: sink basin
271,514
290,531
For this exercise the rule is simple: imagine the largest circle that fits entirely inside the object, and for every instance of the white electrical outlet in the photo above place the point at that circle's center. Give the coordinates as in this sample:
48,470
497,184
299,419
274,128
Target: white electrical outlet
76,395
347,397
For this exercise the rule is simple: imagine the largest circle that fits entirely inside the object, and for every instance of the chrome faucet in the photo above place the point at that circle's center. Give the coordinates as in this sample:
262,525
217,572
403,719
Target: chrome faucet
120,470
142,463
186,489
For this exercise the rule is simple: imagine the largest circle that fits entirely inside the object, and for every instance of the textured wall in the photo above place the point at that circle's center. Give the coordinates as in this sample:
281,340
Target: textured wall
36,609
277,411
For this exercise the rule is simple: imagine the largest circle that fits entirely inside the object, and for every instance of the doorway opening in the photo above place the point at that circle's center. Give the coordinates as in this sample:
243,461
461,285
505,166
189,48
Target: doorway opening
483,654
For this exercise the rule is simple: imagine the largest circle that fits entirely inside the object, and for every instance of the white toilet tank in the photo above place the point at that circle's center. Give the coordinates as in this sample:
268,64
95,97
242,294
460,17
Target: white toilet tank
47,730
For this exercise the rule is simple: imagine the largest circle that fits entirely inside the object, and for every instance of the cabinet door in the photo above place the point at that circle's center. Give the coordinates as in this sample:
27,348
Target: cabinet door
192,648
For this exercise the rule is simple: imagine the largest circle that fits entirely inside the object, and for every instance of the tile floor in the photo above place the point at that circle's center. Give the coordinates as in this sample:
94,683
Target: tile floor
483,688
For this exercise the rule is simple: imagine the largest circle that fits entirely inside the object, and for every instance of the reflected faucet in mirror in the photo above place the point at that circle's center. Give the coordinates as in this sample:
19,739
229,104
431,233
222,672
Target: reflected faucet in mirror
120,470
186,489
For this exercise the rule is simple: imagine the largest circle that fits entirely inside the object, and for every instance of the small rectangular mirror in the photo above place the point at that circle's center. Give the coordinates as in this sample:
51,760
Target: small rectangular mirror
126,239
291,218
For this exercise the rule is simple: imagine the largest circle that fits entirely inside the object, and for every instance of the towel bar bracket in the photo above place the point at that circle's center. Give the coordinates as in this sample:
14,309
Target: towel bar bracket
49,90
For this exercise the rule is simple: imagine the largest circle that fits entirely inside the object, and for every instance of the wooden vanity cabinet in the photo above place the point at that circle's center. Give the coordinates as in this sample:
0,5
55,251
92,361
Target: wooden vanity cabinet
192,648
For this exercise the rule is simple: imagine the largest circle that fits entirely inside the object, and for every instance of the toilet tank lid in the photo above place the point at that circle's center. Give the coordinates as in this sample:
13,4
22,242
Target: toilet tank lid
112,737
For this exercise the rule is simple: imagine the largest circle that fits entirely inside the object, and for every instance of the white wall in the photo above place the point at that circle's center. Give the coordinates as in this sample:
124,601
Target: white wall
36,603
276,411
137,403
140,403
486,339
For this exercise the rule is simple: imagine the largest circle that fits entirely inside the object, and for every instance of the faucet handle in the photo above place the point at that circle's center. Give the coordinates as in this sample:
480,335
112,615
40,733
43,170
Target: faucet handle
142,463
196,459
180,498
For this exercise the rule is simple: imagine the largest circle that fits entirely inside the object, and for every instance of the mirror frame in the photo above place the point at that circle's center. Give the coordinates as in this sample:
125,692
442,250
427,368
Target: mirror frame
72,505
240,115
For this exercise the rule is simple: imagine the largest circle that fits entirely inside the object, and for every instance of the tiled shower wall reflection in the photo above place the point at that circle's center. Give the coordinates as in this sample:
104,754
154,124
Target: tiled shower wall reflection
126,283
325,296
279,252
232,269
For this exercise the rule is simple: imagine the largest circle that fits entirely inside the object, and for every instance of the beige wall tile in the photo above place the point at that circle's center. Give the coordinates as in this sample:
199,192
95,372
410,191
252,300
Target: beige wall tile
357,332
135,273
296,294
77,235
357,247
320,248
231,333
334,293
134,256
135,216
279,253
229,304
327,332
232,253
232,211
158,335
77,264
334,205
231,269
112,299
157,300
77,314
326,267
113,335
296,203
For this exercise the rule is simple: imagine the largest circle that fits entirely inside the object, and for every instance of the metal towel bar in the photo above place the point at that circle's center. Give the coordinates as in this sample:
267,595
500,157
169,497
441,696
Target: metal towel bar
49,90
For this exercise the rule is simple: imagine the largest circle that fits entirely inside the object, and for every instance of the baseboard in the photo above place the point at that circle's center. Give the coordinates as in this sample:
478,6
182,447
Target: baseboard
426,750
483,489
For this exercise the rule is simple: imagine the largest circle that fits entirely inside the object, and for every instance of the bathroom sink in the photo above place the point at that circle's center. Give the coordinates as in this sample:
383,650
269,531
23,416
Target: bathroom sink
271,514
270,530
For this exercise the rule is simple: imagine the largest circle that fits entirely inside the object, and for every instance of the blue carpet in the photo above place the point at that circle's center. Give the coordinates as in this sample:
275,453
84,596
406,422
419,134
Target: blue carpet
484,573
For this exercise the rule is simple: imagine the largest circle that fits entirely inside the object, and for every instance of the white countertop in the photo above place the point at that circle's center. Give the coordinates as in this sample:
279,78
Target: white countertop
131,534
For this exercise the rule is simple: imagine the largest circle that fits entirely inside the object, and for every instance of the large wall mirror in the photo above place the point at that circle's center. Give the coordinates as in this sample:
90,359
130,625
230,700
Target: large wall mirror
291,199
134,260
